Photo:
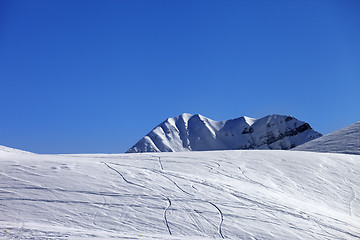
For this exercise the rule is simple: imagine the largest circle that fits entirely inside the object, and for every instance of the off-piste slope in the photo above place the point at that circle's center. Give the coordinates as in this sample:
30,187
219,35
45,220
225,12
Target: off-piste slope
193,195
345,140
197,133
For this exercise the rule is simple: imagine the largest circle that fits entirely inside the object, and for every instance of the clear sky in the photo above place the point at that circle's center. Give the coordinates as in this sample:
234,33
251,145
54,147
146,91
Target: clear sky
96,76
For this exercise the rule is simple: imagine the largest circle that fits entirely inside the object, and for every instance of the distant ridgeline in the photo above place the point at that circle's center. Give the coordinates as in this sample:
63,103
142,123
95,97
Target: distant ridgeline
197,133
345,140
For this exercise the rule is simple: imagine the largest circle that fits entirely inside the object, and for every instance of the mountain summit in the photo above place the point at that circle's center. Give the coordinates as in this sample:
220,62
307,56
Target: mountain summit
188,132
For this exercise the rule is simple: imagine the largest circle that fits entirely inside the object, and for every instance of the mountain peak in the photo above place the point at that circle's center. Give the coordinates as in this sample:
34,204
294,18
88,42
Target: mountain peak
188,132
185,116
249,120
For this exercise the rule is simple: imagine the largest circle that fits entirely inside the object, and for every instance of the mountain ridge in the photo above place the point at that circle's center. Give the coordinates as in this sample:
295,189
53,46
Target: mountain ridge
188,132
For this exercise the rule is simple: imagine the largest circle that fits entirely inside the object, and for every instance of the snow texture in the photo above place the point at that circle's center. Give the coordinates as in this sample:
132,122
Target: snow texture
345,140
197,133
4,149
247,194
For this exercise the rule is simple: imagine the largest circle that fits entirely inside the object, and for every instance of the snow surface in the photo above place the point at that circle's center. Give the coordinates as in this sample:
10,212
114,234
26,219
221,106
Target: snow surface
247,194
345,140
197,133
10,150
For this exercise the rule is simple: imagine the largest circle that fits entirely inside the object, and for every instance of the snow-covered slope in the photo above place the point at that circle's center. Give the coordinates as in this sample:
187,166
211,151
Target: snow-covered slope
345,140
193,195
197,133
4,149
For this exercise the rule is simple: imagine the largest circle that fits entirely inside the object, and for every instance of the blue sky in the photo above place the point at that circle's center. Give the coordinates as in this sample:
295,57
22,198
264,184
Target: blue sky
96,76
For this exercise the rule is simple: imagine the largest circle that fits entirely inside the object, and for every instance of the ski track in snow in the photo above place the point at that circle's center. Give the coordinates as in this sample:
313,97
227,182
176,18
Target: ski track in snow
161,166
353,194
122,176
250,180
256,195
221,218
165,218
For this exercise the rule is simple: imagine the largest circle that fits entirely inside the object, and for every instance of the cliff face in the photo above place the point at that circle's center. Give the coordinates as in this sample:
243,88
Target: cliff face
197,133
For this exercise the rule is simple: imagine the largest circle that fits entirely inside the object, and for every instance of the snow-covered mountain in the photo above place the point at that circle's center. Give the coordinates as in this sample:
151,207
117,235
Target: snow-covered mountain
248,194
345,140
197,133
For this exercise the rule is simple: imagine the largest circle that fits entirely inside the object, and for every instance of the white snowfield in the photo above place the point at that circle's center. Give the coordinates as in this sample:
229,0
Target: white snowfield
246,194
197,133
11,150
345,140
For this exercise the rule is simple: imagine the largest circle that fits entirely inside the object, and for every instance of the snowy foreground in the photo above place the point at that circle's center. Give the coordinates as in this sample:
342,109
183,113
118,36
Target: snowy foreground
250,194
